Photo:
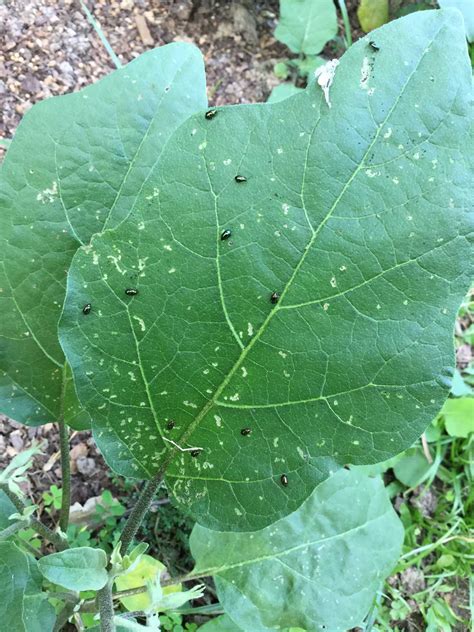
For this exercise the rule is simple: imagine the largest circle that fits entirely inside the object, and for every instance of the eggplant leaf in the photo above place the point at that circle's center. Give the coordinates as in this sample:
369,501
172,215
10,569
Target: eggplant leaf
76,165
296,269
319,568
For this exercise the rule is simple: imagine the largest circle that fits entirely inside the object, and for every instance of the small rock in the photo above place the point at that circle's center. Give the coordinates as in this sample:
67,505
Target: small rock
17,440
86,465
245,23
412,580
31,84
425,500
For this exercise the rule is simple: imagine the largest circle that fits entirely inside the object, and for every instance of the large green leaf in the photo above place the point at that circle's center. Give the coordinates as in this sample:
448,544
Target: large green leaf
466,7
318,568
306,25
23,607
77,164
77,569
356,214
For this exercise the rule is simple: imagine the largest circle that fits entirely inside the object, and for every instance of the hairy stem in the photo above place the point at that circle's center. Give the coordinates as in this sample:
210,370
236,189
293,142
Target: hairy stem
38,526
12,529
64,615
106,608
138,512
66,476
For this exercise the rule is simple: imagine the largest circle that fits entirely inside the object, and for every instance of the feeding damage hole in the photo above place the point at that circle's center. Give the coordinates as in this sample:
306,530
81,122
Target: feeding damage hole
131,291
246,431
284,480
226,234
210,114
87,309
240,179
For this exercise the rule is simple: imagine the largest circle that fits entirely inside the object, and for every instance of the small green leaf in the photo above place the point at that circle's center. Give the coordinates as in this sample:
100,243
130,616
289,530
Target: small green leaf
282,92
306,25
23,606
412,468
459,416
372,14
309,65
7,508
281,70
147,569
78,569
342,541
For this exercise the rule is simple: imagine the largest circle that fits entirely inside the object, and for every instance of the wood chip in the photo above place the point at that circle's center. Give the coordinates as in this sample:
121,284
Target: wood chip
144,31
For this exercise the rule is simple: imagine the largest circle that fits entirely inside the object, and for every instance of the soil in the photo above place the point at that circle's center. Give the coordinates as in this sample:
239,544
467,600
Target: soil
48,48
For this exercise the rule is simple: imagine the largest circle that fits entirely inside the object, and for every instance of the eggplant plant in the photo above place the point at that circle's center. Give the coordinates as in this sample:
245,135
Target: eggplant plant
243,303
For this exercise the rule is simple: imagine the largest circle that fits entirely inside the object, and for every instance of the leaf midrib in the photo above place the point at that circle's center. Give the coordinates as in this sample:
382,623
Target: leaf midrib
213,401
298,547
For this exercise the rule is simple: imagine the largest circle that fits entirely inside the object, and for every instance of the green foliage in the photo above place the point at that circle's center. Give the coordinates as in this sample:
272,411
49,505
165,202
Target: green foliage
74,168
372,14
297,563
459,416
52,498
23,607
286,371
251,401
282,92
466,7
76,569
306,25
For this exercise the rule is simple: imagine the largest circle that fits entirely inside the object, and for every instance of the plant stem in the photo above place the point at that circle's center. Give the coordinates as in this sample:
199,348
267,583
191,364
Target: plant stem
12,529
106,608
66,476
347,24
64,615
41,528
138,512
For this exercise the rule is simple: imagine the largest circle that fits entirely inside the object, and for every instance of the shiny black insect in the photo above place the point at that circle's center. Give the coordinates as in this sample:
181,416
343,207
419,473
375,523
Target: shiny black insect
284,480
373,45
240,179
170,425
210,114
131,291
274,298
195,452
87,309
245,432
226,234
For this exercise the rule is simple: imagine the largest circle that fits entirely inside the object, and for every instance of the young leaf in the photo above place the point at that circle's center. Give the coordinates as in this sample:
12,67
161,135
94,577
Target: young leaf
344,540
23,607
76,166
459,416
77,569
355,215
147,570
306,25
372,14
282,92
